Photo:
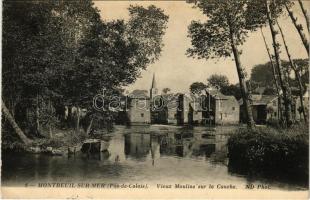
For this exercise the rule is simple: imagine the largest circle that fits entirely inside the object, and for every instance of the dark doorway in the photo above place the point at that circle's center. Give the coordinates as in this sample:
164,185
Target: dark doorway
261,114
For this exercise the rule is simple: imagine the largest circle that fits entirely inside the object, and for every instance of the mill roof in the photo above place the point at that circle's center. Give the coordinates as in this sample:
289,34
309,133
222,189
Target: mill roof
216,94
261,99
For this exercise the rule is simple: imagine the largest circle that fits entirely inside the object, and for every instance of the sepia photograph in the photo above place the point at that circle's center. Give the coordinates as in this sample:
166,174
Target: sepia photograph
179,99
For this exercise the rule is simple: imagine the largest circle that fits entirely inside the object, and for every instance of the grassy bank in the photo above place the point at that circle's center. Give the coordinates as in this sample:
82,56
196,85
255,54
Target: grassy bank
61,139
271,152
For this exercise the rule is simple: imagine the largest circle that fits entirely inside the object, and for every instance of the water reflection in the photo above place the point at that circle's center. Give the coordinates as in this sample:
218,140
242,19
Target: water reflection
137,154
181,144
137,145
100,156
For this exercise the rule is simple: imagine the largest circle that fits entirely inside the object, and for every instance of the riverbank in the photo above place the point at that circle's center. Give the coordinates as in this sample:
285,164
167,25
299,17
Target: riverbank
270,152
137,155
58,144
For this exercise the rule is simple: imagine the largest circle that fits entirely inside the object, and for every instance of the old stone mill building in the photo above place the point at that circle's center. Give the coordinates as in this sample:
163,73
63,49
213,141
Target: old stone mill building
212,108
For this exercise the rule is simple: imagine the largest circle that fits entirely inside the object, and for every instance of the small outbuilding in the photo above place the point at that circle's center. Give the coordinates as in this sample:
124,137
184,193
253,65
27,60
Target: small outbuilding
264,108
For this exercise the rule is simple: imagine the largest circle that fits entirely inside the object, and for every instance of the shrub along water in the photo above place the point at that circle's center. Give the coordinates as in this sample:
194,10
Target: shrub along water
281,153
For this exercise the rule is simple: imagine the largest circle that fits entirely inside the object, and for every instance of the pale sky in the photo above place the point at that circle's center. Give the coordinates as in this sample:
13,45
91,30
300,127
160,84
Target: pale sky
177,71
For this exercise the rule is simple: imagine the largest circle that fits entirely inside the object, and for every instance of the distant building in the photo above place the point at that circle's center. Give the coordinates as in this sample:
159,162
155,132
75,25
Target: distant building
138,107
171,106
180,109
221,109
264,108
170,109
197,112
157,109
159,112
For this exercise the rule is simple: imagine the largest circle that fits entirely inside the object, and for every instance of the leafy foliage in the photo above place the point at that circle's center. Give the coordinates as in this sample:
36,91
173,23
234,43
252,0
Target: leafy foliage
219,81
212,38
261,75
256,15
64,53
197,87
146,28
166,90
220,36
232,90
272,151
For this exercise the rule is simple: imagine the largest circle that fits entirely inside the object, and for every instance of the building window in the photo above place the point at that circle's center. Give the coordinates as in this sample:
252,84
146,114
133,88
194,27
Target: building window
142,114
233,108
275,114
225,114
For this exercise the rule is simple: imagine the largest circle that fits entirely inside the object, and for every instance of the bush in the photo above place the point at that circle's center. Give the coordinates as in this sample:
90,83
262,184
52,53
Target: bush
74,138
270,151
53,142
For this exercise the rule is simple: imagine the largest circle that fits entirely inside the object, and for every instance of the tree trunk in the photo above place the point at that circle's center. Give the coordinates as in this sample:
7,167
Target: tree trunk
301,94
244,91
274,73
304,11
271,63
77,128
293,65
299,29
89,126
12,106
14,125
37,113
282,80
50,125
50,131
69,117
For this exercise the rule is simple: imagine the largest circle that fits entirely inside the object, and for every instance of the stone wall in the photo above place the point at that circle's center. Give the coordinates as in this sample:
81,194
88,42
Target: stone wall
227,111
139,111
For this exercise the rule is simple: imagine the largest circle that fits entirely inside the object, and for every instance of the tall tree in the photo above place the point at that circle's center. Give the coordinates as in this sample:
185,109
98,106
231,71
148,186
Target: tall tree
27,63
262,12
219,81
221,36
297,75
113,54
63,52
14,125
271,63
197,88
304,11
299,28
284,84
146,28
274,74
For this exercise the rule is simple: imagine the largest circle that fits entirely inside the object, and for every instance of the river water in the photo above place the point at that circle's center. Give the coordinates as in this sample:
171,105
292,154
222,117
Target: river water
140,155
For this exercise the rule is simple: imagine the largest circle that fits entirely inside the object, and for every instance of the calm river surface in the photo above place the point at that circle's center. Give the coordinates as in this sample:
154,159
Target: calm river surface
140,154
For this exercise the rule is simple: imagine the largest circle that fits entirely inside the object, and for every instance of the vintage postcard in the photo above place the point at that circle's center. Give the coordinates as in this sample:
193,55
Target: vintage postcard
181,99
